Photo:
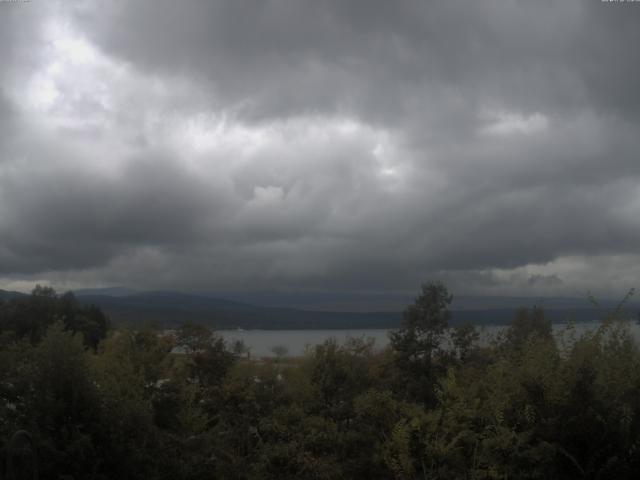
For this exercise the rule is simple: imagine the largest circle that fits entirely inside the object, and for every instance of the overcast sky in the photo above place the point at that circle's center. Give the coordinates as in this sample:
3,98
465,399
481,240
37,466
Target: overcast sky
321,145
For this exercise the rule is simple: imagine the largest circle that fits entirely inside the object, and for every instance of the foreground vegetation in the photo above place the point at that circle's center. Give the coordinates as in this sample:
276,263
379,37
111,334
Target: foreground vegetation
435,404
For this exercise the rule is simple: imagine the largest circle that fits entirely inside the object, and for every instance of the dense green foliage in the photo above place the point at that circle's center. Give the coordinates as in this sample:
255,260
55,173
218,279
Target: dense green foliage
435,404
29,317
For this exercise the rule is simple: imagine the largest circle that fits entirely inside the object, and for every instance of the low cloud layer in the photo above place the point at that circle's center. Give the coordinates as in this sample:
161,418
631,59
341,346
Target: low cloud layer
321,146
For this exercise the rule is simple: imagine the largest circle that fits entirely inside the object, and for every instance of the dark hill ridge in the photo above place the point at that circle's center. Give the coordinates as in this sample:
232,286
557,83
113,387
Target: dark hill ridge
169,308
108,291
7,294
181,301
396,301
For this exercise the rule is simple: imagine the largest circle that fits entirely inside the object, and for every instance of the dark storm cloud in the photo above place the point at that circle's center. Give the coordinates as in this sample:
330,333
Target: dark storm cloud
325,144
61,217
381,59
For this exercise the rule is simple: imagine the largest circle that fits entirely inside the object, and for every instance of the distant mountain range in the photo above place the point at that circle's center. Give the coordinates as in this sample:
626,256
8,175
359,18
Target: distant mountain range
172,308
7,294
107,291
168,308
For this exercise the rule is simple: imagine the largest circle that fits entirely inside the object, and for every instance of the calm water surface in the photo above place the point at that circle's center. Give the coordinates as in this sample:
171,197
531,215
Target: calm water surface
296,341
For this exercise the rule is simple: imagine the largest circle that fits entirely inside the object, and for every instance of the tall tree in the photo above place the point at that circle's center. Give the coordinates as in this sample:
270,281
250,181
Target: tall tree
418,340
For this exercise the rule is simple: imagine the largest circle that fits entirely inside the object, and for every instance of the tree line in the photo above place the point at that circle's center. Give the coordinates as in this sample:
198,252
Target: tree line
436,403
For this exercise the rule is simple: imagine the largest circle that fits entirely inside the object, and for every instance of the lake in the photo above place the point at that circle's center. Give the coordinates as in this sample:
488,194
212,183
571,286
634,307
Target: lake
296,341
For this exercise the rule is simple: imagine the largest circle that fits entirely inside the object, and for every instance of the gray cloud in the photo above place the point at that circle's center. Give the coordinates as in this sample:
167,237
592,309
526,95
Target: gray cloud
283,57
320,145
